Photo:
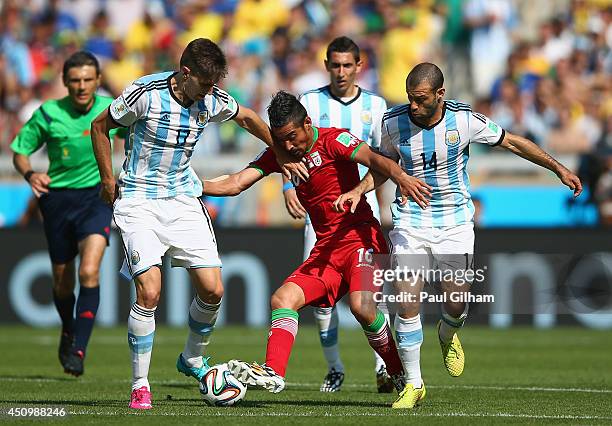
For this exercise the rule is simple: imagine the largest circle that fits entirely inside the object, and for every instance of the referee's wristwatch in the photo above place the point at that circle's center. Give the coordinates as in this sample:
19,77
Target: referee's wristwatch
27,175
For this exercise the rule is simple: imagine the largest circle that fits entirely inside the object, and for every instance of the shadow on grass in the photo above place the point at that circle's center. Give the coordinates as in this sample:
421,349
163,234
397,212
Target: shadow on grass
304,403
38,377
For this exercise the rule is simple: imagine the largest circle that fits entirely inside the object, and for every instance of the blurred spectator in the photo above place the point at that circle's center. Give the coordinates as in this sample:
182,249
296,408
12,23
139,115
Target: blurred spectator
100,37
541,115
490,22
18,62
567,137
198,21
507,111
258,18
403,45
557,41
603,187
455,42
119,72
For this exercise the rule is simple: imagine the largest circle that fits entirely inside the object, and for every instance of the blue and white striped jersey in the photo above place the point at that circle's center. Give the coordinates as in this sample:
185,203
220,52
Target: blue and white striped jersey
162,135
361,116
438,155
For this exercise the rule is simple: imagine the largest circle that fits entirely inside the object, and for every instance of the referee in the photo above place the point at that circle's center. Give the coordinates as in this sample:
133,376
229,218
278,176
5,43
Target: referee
75,219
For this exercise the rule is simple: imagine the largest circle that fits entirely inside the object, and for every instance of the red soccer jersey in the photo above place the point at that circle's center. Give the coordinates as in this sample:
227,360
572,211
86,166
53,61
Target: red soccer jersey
332,172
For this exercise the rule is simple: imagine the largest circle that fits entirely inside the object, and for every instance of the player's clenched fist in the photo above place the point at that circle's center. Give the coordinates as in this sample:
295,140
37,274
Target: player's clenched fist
39,183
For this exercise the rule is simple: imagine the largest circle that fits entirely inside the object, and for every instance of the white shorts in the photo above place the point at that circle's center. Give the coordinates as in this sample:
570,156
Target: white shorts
451,246
179,227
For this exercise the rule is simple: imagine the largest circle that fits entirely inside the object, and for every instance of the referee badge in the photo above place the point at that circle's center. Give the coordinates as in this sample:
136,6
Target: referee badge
203,118
452,137
366,116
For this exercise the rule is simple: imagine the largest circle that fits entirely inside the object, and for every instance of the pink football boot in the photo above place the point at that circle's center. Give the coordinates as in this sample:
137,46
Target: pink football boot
141,399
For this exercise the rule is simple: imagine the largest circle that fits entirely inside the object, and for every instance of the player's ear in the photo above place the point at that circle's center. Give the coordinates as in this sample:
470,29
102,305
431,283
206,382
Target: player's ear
358,65
326,64
307,121
186,71
440,94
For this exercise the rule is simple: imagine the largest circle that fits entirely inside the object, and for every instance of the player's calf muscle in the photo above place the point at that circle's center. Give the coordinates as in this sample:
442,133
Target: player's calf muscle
363,307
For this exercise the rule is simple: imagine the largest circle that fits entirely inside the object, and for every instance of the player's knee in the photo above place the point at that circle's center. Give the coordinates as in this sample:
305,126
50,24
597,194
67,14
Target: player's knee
454,309
148,298
408,310
277,301
89,275
282,301
215,294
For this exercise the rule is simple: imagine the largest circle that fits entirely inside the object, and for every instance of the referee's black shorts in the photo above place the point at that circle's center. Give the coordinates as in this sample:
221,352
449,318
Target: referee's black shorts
70,215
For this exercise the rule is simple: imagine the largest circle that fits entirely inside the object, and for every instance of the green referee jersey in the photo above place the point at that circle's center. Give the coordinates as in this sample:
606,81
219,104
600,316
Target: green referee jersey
66,132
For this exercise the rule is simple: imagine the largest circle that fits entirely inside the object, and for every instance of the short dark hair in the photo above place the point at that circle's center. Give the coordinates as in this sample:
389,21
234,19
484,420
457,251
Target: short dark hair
285,108
428,72
343,44
80,59
205,59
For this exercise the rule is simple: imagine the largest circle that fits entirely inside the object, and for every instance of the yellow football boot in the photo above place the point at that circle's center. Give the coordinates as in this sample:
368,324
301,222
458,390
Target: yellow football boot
452,354
410,397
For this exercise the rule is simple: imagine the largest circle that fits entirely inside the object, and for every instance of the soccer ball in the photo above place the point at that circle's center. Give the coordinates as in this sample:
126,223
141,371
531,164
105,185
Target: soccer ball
219,388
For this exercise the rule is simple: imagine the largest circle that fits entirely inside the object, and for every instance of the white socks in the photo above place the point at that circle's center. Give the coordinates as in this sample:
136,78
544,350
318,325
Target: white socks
141,331
409,335
202,318
327,321
450,325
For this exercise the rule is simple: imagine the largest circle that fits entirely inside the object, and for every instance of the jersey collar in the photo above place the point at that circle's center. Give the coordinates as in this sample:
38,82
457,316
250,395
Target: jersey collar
433,125
77,112
328,88
315,138
178,101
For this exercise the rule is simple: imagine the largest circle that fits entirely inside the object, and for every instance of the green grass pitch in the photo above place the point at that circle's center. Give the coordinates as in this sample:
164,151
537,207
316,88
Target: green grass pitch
518,375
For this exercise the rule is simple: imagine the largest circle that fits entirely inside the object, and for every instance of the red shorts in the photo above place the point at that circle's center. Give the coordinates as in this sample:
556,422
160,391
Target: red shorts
341,264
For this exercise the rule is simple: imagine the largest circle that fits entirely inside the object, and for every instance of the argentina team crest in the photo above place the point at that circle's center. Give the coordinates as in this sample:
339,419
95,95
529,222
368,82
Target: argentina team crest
452,137
202,118
366,116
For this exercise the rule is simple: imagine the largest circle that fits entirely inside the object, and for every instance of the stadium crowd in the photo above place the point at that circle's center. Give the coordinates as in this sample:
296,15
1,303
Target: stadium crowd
540,72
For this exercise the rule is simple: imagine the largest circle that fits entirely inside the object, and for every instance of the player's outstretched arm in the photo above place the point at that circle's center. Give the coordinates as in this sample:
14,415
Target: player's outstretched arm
530,151
231,185
252,123
100,139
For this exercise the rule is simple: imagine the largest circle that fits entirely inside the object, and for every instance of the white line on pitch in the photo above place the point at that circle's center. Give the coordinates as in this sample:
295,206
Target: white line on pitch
316,385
